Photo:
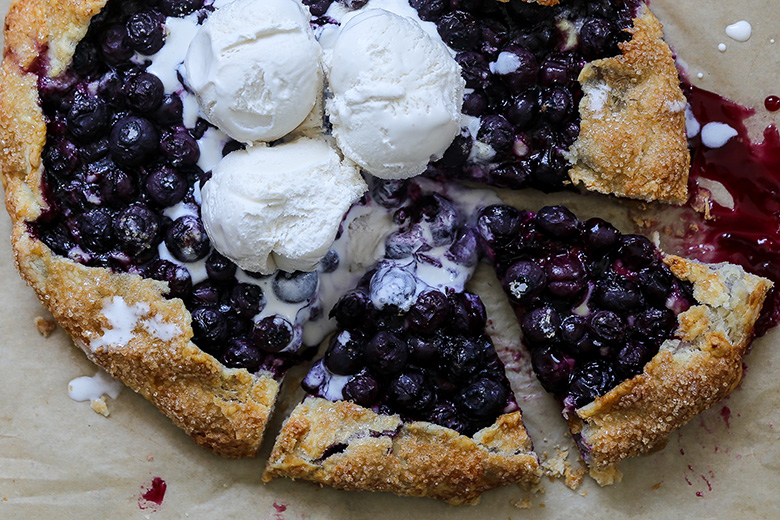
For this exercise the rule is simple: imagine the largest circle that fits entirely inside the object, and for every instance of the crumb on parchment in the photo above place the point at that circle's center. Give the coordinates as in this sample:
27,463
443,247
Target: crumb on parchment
44,326
99,406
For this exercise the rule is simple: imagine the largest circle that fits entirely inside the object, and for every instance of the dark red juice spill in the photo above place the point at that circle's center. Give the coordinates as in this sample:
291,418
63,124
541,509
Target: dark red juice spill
748,234
156,493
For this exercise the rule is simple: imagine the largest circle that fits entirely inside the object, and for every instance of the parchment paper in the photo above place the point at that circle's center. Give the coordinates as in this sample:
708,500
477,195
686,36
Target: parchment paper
59,459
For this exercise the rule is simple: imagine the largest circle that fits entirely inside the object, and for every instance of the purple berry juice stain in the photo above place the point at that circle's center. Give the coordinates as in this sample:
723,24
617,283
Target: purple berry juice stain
154,495
725,412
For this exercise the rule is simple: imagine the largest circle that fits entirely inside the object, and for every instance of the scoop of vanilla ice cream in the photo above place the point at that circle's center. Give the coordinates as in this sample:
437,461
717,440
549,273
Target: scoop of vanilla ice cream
397,94
279,207
254,67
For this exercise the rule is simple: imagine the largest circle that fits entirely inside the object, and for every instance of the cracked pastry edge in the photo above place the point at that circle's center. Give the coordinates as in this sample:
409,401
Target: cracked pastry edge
384,453
694,370
632,140
224,410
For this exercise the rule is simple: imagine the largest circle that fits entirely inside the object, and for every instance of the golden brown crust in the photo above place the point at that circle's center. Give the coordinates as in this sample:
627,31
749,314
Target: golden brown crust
632,140
691,372
223,410
381,453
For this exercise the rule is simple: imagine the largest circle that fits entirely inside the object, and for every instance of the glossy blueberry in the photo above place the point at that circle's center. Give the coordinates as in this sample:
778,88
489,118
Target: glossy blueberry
166,186
655,324
132,140
169,113
474,104
208,327
524,281
273,333
177,276
144,92
590,381
445,414
219,269
295,287
523,109
458,152
422,350
429,10
318,7
468,313
146,31
429,312
556,68
94,150
85,58
557,222
550,169
345,352
557,104
497,132
329,262
552,367
205,294
137,228
636,251
656,282
353,310
540,325
96,230
361,389
462,358
607,326
521,68
631,358
618,294
459,30
180,149
87,117
386,353
482,399
109,89
411,392
116,45
60,157
241,353
246,299
465,249
565,276
599,236
186,239
180,8
474,69
596,39
499,223
392,286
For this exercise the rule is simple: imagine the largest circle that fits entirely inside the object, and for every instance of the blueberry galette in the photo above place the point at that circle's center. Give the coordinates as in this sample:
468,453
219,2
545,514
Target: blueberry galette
200,213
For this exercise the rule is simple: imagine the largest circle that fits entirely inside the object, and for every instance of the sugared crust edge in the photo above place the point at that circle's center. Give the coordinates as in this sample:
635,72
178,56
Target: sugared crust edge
692,372
221,409
381,453
632,140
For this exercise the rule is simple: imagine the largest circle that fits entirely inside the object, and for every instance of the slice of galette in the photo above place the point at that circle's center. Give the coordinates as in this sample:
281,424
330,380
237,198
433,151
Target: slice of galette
410,396
633,342
582,92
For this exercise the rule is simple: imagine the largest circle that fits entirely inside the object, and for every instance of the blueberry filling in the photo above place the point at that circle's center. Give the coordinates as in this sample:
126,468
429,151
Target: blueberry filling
594,305
122,185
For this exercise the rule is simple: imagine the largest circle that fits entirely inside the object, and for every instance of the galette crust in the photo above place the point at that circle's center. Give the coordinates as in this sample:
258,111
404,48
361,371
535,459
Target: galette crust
382,453
222,409
632,140
697,368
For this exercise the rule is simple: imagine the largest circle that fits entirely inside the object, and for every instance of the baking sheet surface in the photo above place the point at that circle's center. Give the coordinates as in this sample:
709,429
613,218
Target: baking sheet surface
59,459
